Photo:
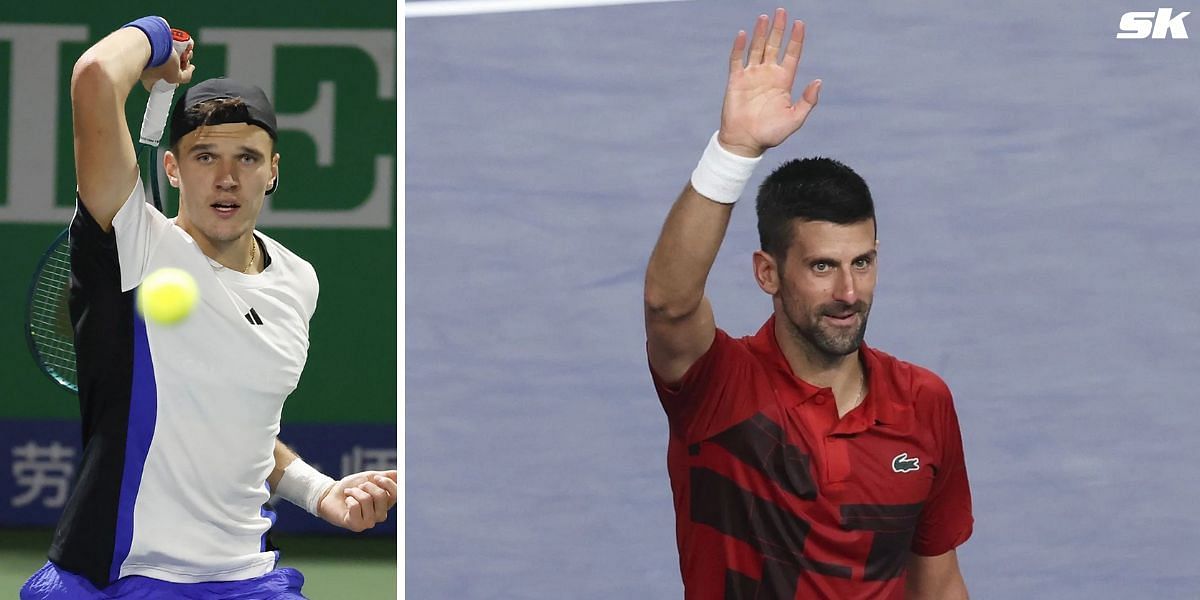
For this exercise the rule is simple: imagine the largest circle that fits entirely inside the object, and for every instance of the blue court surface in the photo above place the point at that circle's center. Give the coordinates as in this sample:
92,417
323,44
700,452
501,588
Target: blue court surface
1036,186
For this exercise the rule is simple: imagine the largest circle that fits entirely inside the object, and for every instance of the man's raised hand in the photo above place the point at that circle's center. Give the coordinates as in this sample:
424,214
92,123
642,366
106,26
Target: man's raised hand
758,112
178,70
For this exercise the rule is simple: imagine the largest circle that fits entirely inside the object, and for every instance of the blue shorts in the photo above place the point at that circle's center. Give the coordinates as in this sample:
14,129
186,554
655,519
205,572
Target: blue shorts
54,583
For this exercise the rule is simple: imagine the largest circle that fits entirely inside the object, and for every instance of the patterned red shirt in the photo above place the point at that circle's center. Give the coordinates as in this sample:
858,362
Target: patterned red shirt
776,497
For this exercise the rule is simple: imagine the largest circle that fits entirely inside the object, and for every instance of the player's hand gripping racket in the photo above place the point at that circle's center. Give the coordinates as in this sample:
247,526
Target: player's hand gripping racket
48,329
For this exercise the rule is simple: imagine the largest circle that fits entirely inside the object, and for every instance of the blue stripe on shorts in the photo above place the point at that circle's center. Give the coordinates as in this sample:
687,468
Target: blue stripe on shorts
54,583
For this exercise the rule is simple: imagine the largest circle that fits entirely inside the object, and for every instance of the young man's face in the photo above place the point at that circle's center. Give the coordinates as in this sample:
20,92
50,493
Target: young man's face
826,284
223,172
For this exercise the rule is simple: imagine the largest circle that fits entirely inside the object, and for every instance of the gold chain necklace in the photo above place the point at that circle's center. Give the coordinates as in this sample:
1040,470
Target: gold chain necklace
862,392
253,253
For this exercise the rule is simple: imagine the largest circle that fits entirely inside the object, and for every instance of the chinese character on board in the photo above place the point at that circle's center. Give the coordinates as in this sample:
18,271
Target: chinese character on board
45,472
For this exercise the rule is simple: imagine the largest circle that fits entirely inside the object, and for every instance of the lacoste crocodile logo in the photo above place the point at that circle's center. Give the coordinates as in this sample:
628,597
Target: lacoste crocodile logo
903,464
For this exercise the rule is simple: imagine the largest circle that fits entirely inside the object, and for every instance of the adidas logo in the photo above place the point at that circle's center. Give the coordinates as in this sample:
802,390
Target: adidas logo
253,317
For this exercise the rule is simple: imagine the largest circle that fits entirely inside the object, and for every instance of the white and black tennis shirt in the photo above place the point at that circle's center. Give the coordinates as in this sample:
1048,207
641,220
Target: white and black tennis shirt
179,422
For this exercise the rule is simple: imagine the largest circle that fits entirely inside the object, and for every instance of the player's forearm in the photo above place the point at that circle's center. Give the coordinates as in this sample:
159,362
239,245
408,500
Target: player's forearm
302,484
283,457
105,165
107,71
684,255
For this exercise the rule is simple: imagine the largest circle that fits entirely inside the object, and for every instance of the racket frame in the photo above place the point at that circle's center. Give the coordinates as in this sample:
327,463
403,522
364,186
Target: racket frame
153,123
63,240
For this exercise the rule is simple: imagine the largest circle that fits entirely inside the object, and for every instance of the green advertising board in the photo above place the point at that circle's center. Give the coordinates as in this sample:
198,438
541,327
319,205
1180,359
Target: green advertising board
330,69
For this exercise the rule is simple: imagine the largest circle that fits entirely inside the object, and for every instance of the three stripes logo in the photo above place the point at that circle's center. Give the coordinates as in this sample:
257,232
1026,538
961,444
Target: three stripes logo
253,317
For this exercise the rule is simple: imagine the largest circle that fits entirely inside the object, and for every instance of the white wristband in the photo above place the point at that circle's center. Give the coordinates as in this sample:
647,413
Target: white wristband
722,175
303,485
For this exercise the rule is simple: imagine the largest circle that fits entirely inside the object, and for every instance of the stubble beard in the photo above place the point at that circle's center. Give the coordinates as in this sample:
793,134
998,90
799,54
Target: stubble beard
828,341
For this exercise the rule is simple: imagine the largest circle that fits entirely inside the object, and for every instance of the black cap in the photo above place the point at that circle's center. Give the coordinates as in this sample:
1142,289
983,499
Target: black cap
255,108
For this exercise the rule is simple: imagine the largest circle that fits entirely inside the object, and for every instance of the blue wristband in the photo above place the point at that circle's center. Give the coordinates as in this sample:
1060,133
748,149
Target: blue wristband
159,34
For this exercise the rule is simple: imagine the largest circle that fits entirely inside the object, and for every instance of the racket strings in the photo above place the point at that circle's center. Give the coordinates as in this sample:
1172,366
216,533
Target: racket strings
50,333
50,316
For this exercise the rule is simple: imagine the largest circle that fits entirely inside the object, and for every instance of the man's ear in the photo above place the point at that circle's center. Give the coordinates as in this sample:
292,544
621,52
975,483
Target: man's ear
274,183
766,272
171,166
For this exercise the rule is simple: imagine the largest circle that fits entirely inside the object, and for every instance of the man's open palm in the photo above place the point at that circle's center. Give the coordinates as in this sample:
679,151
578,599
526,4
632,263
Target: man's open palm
758,112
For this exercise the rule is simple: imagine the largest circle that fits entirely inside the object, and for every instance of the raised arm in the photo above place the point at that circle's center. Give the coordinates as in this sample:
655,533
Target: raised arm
758,113
105,164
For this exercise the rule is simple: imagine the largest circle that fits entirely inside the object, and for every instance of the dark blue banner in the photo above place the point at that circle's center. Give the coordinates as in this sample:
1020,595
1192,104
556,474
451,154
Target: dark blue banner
38,461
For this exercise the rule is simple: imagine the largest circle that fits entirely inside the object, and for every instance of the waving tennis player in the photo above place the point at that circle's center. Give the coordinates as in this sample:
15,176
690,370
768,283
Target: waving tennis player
804,463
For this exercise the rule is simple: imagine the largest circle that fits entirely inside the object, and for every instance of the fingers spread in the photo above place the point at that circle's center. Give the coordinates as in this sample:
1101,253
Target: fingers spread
795,47
812,92
759,42
737,58
775,40
807,102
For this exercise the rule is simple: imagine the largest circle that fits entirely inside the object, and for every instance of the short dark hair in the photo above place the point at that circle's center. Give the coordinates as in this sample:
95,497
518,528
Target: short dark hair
249,105
810,189
214,112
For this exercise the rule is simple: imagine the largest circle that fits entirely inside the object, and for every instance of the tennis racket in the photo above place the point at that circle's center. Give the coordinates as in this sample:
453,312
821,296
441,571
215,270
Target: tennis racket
48,329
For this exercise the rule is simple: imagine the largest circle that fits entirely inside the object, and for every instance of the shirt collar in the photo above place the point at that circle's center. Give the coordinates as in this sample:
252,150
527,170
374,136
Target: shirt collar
879,407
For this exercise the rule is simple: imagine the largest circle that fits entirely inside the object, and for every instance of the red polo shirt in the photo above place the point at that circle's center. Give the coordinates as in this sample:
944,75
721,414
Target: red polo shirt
776,497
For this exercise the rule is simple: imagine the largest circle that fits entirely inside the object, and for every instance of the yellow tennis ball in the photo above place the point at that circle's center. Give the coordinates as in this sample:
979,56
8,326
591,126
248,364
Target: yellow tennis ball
167,296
